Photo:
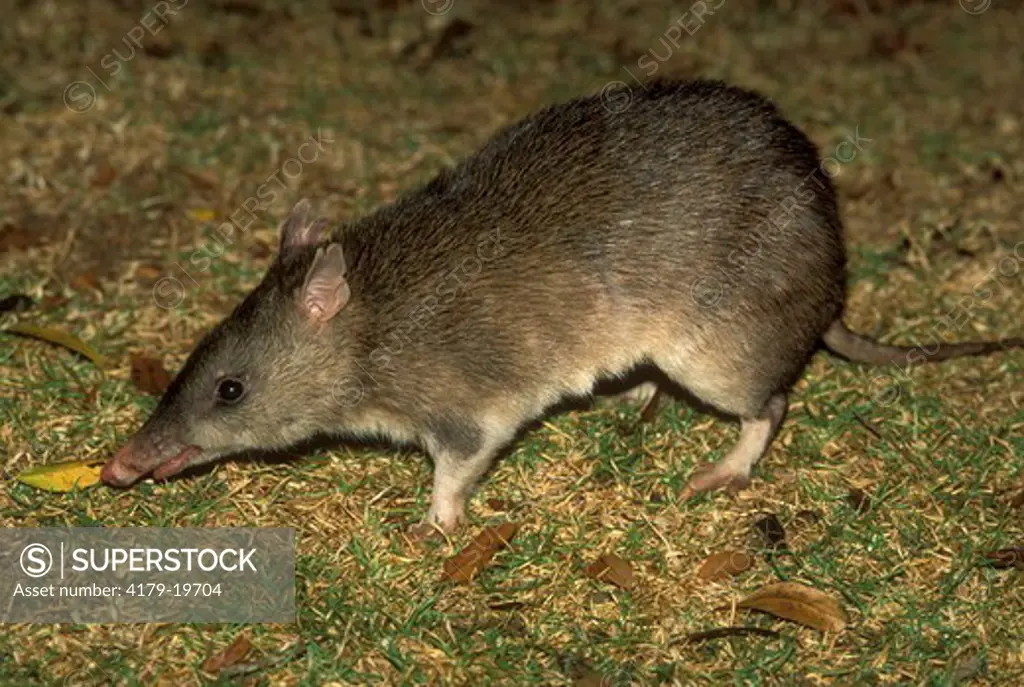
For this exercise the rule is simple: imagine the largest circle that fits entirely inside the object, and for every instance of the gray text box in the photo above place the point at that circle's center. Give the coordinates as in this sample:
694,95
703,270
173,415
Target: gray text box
147,574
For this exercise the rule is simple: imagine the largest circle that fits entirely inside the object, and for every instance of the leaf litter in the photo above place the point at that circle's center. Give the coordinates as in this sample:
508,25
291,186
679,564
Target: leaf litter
613,570
232,654
149,374
724,564
772,533
60,338
63,477
467,563
800,604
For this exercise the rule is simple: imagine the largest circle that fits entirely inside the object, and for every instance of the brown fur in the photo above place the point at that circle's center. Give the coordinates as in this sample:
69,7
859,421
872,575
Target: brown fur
572,247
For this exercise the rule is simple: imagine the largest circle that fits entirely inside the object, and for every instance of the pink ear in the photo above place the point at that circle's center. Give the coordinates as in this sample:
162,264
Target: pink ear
326,290
300,228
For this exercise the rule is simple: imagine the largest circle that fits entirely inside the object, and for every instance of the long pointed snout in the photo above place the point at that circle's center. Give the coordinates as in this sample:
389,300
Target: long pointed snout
141,456
120,471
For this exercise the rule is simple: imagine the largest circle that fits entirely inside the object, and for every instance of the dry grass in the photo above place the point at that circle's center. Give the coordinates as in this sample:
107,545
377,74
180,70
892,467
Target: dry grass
106,195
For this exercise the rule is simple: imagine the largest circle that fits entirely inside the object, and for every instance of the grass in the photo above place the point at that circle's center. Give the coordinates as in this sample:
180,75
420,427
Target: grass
939,462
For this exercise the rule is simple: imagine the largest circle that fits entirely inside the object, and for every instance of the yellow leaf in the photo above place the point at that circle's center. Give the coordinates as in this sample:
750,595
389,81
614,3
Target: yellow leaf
78,474
59,337
202,214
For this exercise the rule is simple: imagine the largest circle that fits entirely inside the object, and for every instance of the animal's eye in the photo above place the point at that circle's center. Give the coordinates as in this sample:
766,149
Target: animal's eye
230,390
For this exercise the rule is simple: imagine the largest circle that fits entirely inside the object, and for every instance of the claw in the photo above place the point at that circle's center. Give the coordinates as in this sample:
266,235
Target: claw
424,531
436,525
713,477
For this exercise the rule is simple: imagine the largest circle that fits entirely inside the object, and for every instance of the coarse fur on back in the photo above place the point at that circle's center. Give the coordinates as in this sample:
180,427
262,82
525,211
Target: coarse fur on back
695,231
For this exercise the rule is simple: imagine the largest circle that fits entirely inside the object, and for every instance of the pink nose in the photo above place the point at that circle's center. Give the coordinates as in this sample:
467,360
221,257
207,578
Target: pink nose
115,472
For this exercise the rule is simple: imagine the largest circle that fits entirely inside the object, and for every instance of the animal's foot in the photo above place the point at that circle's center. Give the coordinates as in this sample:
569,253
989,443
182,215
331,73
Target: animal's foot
640,395
423,531
439,521
715,476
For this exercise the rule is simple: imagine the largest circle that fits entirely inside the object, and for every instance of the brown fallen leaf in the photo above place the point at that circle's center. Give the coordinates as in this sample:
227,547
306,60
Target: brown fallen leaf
149,374
201,178
104,175
497,505
719,566
260,250
147,272
263,664
1018,500
771,532
859,500
720,632
1006,558
800,604
19,302
86,281
16,238
612,569
506,606
463,566
59,337
54,301
234,653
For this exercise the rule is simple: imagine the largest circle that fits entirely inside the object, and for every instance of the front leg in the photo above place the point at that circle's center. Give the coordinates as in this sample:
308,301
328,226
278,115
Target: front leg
455,479
462,454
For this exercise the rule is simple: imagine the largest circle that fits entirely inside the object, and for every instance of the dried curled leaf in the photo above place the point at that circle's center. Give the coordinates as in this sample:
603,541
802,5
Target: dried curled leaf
85,282
147,272
463,566
1006,558
612,569
19,302
724,564
105,173
799,603
59,337
61,477
770,530
201,178
149,375
720,632
859,500
234,653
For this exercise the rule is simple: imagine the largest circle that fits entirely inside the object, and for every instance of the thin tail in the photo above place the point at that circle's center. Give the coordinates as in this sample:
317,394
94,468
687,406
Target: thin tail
861,349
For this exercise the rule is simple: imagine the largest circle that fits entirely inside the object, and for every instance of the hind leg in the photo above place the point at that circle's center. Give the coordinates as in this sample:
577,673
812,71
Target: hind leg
733,471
